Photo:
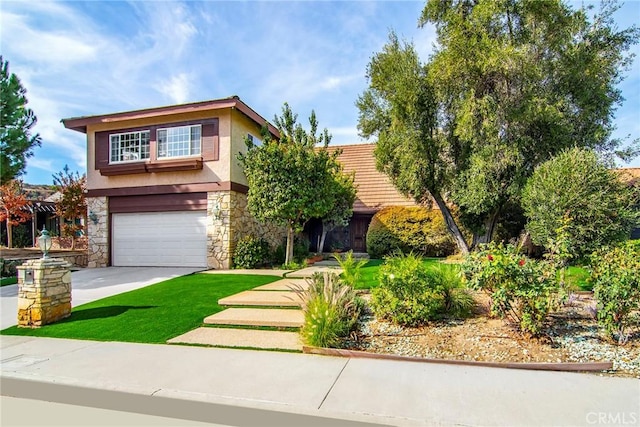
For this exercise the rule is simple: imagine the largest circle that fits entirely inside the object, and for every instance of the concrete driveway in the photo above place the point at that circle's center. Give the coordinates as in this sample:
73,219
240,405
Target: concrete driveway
91,284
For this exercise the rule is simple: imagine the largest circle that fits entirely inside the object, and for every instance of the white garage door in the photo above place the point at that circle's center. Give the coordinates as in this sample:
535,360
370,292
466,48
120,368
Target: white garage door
171,239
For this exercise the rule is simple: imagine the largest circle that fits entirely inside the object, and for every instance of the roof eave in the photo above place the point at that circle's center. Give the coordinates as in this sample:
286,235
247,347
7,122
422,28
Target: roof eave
79,124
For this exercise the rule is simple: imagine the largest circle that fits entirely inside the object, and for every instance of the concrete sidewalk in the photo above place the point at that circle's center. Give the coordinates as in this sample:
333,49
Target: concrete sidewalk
242,387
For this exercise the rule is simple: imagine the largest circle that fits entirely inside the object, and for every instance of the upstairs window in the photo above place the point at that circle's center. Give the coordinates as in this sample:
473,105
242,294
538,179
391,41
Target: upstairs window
129,147
179,141
255,140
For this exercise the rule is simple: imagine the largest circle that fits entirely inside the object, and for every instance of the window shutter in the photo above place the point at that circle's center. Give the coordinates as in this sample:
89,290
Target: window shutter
102,150
210,141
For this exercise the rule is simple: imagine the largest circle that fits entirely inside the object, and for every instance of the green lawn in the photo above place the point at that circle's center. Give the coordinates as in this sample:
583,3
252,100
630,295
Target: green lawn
152,314
8,281
369,278
575,276
578,277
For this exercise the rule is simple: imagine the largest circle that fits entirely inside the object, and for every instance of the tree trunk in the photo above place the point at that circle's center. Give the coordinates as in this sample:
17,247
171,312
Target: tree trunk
323,237
451,225
289,255
9,235
489,228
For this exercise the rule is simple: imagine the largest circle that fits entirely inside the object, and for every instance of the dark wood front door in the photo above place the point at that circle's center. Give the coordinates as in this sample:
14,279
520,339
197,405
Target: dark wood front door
358,232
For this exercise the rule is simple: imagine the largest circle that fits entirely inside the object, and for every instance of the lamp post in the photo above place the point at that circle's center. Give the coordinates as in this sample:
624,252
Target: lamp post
44,242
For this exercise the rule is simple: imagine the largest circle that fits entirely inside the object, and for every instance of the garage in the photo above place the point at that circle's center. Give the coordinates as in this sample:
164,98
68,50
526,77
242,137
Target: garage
171,239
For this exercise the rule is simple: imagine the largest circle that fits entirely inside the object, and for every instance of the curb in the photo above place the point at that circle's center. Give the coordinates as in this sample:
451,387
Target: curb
538,366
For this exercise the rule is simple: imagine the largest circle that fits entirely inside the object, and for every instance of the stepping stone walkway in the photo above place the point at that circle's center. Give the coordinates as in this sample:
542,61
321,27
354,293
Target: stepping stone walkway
274,305
274,317
247,338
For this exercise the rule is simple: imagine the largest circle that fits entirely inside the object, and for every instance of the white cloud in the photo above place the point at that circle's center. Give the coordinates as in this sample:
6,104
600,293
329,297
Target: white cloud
61,47
43,164
177,88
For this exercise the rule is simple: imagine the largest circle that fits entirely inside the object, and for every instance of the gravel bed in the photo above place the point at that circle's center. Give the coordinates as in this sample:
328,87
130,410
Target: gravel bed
571,336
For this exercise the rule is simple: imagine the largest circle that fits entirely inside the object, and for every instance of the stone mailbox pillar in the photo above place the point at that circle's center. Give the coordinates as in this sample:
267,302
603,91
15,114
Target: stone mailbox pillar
44,292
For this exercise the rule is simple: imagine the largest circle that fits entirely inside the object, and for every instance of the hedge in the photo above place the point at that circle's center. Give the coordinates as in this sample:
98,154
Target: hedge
409,229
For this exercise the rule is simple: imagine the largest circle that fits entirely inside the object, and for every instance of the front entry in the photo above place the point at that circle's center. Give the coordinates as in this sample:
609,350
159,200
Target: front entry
358,232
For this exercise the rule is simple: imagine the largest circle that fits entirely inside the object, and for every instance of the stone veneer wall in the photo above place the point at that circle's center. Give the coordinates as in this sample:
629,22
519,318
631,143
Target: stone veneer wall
218,230
244,224
97,232
235,222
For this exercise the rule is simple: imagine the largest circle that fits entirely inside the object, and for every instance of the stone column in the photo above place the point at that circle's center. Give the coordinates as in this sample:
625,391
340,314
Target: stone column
218,237
44,292
97,232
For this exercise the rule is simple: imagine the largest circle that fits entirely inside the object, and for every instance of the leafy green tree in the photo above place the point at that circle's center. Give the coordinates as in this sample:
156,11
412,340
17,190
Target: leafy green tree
576,194
510,84
16,121
290,179
344,194
72,205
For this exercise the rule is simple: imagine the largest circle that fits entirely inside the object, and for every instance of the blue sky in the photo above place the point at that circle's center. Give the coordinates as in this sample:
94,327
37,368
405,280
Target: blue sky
87,58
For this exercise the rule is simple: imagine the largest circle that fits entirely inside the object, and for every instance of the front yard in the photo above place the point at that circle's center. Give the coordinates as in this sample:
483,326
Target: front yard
152,314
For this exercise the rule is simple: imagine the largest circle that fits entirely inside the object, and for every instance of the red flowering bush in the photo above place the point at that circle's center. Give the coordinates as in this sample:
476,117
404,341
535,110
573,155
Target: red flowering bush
522,290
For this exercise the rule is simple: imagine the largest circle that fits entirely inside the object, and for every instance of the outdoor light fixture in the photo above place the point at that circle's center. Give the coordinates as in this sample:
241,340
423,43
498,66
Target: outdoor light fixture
44,242
215,211
93,217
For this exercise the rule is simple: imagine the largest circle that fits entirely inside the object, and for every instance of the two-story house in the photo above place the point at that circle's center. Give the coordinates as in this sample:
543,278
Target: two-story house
164,187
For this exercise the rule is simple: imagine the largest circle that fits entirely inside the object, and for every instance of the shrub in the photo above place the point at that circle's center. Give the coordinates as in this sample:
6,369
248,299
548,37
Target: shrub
300,249
410,293
251,252
577,190
407,229
458,301
331,310
616,282
8,267
350,268
522,290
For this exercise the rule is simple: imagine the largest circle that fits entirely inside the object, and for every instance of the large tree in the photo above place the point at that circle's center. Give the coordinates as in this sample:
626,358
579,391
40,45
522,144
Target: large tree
290,178
16,121
13,207
510,84
71,208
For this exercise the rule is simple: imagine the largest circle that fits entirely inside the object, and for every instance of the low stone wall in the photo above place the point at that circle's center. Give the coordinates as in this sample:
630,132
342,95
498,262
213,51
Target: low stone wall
12,258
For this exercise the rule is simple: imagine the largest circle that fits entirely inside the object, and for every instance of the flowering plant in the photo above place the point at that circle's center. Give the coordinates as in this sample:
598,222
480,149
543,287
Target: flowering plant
521,289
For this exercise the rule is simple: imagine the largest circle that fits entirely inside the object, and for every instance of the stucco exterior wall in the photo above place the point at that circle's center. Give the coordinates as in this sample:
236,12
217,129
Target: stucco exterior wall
241,127
212,171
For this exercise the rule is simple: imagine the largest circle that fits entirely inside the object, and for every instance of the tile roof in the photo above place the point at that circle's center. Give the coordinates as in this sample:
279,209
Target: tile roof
630,175
375,191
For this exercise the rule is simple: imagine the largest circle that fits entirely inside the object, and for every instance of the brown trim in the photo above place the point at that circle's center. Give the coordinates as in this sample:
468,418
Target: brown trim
124,169
175,165
238,188
158,203
567,366
80,124
169,189
209,140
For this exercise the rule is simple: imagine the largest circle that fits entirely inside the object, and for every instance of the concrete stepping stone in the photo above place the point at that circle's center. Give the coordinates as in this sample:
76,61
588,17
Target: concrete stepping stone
263,298
309,271
280,318
248,338
283,285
